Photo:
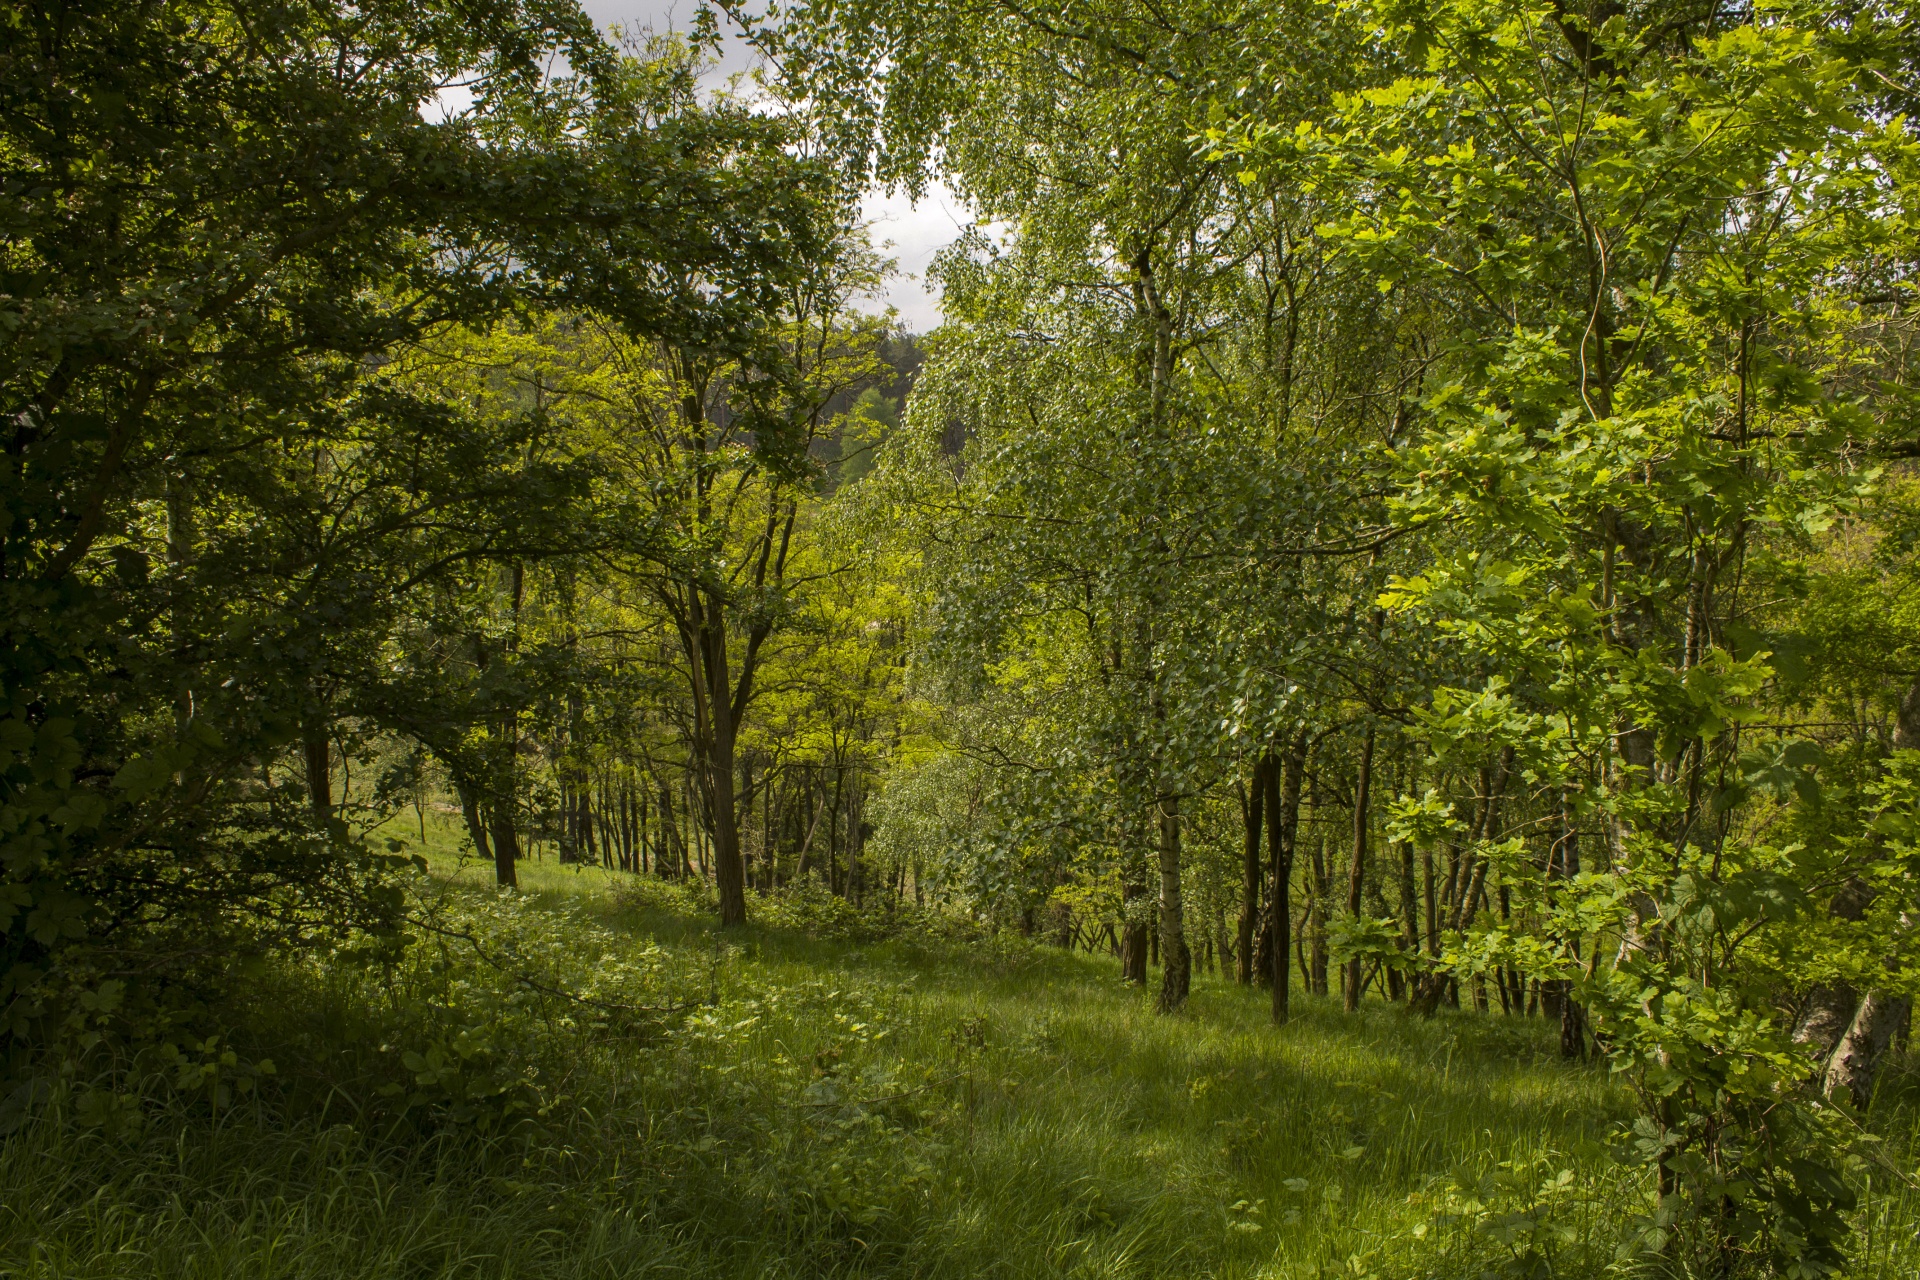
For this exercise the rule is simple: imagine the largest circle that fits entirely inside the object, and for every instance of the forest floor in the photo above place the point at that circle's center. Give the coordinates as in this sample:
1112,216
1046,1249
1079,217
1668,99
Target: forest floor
822,1095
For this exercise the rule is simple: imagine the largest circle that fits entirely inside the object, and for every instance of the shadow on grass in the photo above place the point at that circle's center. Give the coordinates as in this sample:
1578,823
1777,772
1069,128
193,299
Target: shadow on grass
849,1101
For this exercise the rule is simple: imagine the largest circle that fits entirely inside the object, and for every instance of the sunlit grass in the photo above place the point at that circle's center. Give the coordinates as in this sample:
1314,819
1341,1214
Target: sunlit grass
911,1107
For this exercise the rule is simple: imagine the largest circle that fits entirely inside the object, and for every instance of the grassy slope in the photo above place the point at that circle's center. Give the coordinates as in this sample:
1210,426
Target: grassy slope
904,1107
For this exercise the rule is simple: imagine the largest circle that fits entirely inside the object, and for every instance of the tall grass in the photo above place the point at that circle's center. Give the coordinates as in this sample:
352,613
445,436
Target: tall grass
841,1105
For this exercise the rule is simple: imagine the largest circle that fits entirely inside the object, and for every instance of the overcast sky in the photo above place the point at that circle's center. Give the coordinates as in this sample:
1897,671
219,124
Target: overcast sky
917,231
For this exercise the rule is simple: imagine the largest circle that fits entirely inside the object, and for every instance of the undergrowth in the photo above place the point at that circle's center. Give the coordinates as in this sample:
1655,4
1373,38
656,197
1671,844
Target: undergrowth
585,1079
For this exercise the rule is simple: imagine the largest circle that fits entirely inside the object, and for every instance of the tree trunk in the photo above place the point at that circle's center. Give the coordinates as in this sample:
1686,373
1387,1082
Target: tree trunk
1252,800
630,822
1356,873
666,857
1848,1032
1283,830
1514,986
769,853
316,746
746,795
1429,889
1856,1055
1410,913
644,859
857,842
716,734
1573,1027
1177,966
1856,1059
1317,921
506,842
1573,1018
1427,886
1135,937
588,850
476,824
1825,1016
1133,948
806,844
836,882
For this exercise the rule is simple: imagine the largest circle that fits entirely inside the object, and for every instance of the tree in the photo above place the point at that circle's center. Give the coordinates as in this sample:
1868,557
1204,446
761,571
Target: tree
224,221
1646,233
1147,428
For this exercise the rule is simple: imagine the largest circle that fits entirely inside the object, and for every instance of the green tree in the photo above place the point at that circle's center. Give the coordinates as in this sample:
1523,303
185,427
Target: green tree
1643,234
1158,526
223,221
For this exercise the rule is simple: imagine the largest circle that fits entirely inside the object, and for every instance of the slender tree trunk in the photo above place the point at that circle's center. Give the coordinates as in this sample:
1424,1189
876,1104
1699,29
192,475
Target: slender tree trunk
857,840
646,859
1514,987
1856,1051
1573,1021
1409,909
803,842
715,707
1136,938
506,842
1432,922
504,791
180,545
746,809
602,818
1856,1059
476,822
666,856
1828,1011
589,852
1177,966
813,826
501,796
316,748
630,820
1356,872
769,853
1283,830
836,883
1317,919
1433,912
1300,944
1253,802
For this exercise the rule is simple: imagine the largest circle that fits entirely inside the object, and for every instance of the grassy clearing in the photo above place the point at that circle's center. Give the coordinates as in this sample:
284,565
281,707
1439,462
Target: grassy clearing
835,1104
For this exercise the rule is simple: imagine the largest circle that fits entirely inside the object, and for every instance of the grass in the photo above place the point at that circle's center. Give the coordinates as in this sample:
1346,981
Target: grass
836,1104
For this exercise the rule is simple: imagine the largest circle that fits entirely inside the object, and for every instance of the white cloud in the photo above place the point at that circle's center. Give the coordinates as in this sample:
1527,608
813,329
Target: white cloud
453,100
917,230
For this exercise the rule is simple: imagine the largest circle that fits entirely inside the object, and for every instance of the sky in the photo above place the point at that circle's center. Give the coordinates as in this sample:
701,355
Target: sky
916,230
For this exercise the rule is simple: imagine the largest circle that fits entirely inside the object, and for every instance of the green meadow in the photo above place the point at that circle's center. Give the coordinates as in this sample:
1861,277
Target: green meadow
823,1094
